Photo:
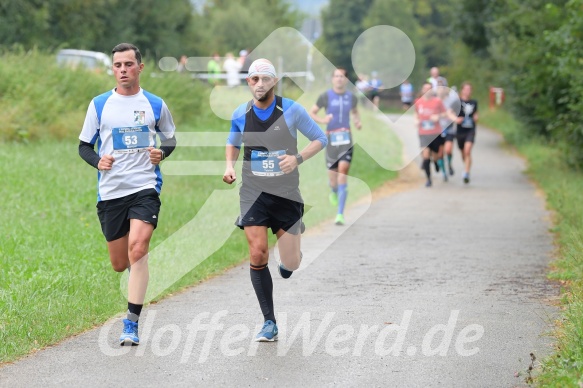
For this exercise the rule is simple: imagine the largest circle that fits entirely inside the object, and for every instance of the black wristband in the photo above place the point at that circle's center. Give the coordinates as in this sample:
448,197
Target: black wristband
167,146
299,158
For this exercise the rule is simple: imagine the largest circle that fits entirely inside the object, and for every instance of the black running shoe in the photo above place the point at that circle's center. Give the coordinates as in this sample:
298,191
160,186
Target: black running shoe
284,272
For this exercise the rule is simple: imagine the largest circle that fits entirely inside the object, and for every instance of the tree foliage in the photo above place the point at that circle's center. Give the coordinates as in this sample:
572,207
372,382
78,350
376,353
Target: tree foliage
400,15
518,44
429,24
535,47
436,20
470,23
99,25
565,53
159,28
341,26
232,26
23,22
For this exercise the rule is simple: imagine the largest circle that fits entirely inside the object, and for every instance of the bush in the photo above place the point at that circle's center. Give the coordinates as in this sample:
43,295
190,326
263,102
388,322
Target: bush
40,100
566,51
537,46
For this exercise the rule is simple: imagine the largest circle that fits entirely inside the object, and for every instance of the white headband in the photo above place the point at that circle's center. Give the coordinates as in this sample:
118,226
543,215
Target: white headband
262,67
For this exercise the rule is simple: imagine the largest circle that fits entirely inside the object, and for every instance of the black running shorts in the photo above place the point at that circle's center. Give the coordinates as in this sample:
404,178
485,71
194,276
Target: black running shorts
115,214
336,154
433,142
270,210
464,137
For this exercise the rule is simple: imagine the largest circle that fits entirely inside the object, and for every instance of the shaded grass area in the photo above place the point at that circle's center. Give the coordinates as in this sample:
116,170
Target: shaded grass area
563,186
55,276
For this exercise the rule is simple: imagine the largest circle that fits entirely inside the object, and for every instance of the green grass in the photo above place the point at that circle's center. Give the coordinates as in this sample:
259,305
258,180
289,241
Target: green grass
563,187
55,276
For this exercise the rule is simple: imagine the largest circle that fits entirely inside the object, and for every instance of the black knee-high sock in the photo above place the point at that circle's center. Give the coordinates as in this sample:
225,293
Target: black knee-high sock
426,167
134,311
263,285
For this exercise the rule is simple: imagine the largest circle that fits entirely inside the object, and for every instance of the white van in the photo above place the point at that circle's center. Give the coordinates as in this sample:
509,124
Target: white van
92,60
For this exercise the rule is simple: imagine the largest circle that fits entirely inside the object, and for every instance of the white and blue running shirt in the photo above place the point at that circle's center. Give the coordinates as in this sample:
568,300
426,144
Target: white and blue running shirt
124,126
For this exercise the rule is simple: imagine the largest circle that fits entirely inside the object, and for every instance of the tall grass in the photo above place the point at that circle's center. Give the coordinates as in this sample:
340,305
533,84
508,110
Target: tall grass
39,100
563,186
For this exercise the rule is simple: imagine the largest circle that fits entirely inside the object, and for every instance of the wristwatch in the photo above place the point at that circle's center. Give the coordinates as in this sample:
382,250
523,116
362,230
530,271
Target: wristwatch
299,158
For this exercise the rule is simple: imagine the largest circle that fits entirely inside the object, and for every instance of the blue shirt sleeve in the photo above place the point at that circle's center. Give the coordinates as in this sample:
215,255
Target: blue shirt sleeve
297,118
237,125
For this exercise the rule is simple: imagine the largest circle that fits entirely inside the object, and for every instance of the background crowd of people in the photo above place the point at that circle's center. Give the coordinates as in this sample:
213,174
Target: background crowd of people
229,70
442,117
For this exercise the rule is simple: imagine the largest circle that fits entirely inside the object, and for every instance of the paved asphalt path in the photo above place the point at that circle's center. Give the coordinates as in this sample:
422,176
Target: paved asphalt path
439,287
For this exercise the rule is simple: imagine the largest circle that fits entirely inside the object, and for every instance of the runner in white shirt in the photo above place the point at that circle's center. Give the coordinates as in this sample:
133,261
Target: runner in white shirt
125,122
232,68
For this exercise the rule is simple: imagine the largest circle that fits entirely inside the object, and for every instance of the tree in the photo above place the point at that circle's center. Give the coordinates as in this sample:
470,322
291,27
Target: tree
470,23
156,27
564,50
232,26
520,49
436,19
342,25
387,48
23,22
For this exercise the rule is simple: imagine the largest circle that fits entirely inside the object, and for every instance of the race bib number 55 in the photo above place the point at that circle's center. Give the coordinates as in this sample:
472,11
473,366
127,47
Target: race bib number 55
131,139
266,163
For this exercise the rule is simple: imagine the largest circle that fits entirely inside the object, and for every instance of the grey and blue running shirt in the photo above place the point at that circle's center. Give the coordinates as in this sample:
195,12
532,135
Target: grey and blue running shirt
267,134
338,129
339,106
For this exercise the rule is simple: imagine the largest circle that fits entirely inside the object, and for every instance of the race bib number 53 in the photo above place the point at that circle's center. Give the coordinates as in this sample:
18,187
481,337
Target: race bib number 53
131,139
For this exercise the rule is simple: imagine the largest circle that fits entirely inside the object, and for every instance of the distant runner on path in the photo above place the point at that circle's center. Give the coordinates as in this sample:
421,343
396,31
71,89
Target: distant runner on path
338,104
428,111
466,127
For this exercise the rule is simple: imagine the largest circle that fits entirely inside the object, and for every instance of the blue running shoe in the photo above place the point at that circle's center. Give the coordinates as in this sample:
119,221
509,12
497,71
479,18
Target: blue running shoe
268,333
129,335
466,178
